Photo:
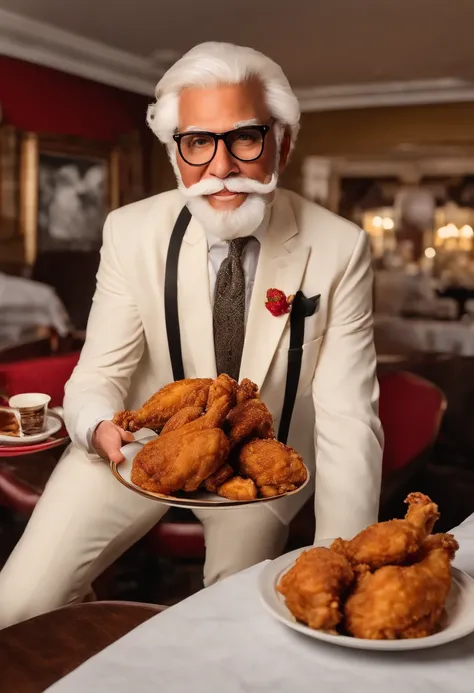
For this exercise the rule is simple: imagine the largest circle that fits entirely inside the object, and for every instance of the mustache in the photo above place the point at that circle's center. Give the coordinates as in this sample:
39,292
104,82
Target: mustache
237,184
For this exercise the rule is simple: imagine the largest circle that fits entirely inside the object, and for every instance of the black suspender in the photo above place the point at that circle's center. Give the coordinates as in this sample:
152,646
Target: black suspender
295,355
171,293
301,308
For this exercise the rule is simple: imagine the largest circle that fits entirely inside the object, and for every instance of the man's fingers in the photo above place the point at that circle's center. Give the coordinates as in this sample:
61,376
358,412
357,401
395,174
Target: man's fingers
109,438
116,457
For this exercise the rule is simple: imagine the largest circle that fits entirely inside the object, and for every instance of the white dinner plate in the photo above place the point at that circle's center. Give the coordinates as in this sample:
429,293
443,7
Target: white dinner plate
458,620
197,499
52,425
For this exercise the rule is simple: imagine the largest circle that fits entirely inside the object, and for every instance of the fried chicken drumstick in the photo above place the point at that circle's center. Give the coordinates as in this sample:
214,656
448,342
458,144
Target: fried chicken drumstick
394,541
190,392
398,602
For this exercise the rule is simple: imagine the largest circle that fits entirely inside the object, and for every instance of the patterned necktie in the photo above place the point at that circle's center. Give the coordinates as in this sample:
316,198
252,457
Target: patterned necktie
229,310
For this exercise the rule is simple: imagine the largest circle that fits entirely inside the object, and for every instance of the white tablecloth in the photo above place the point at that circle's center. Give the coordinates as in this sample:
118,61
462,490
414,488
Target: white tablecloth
222,641
25,304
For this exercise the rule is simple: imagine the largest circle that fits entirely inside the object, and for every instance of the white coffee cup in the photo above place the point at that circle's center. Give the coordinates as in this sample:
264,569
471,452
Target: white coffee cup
32,407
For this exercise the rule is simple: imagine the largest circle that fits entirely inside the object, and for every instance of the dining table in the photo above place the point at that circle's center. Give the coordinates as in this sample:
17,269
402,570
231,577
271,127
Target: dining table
222,640
37,652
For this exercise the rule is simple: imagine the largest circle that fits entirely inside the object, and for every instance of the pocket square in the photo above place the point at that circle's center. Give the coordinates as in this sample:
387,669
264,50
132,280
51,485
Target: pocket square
307,305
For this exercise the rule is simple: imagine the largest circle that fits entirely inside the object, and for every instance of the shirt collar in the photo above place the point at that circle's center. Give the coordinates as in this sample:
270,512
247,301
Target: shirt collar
213,241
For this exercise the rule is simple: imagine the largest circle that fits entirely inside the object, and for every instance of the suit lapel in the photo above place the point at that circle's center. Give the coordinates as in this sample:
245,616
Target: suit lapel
194,304
279,267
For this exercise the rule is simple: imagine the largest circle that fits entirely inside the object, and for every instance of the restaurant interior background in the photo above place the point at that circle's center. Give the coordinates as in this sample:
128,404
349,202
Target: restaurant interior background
387,140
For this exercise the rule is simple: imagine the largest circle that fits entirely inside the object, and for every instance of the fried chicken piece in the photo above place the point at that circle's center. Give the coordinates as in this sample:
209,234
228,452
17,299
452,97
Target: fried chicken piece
222,475
220,401
270,491
314,586
165,403
184,457
250,417
246,390
394,541
270,463
181,418
238,489
438,541
399,602
182,462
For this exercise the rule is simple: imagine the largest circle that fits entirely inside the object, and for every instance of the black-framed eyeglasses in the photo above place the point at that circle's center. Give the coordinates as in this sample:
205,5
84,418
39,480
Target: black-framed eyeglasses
198,148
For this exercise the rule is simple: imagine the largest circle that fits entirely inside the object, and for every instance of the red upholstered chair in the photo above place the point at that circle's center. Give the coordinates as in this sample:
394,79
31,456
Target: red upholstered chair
411,411
48,375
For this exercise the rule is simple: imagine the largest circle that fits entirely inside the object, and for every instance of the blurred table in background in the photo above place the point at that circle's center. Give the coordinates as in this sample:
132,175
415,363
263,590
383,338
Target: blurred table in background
26,305
395,334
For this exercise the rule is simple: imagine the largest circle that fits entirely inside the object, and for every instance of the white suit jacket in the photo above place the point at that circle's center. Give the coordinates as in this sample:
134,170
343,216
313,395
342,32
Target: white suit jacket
335,425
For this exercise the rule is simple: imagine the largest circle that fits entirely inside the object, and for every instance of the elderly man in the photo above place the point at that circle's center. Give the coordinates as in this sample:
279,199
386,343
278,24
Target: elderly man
183,290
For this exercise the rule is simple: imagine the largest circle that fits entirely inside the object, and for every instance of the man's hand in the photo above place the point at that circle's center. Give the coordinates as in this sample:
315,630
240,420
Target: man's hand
108,439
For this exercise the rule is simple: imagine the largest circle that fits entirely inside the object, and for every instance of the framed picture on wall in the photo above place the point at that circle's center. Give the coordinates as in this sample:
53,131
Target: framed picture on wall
67,187
9,147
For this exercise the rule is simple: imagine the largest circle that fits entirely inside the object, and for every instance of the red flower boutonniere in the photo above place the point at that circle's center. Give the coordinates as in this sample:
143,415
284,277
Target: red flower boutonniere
277,302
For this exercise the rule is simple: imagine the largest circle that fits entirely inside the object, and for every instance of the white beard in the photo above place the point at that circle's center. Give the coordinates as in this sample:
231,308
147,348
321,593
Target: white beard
233,223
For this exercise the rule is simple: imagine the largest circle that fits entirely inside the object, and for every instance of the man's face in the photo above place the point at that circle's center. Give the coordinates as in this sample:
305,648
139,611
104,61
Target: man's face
220,109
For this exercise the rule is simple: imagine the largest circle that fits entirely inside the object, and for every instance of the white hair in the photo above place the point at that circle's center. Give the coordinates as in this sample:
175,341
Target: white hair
212,63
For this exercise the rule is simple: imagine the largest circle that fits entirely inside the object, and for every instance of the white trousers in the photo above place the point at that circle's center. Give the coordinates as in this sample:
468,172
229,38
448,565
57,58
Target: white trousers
86,519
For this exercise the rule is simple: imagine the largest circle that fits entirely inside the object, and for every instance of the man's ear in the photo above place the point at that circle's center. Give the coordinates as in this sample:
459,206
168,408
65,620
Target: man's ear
284,151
